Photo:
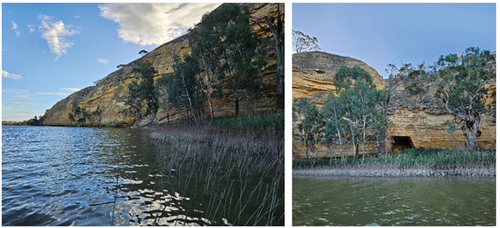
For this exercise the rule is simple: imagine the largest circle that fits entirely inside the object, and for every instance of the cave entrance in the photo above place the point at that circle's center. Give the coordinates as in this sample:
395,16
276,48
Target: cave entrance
401,143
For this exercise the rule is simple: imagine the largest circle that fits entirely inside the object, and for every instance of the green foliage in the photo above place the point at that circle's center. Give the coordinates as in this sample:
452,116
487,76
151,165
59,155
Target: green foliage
226,60
306,120
145,90
239,48
462,88
35,121
414,88
335,125
276,28
82,116
184,88
360,104
142,91
256,124
307,124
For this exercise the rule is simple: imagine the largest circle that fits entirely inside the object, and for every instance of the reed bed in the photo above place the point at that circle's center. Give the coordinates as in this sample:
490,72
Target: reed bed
239,175
412,162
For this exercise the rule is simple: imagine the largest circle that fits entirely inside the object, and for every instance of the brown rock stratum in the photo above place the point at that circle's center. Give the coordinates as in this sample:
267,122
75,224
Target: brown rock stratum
418,124
106,93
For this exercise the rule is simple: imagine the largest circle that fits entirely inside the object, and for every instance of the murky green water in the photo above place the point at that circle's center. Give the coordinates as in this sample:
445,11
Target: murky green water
451,201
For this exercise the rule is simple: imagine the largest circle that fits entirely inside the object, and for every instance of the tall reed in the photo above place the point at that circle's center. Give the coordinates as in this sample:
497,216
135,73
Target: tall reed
417,162
240,175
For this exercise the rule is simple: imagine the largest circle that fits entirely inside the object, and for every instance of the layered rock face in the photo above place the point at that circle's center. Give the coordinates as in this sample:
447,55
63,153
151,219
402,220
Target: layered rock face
108,92
417,124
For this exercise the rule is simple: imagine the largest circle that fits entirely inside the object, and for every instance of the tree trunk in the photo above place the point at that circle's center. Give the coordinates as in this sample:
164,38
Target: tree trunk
357,151
342,161
331,152
207,82
280,79
236,104
307,153
474,132
211,108
381,146
364,140
138,114
153,117
279,38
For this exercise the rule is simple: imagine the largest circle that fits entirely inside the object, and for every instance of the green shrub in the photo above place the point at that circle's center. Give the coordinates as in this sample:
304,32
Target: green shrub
259,123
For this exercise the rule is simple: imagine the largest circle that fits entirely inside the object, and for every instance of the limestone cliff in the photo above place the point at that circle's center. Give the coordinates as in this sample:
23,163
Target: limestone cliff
417,122
106,94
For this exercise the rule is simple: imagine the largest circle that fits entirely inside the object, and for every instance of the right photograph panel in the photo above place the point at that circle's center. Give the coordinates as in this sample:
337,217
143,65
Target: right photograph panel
394,114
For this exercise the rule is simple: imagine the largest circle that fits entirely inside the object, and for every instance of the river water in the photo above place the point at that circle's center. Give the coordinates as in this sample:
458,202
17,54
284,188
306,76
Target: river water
348,201
93,176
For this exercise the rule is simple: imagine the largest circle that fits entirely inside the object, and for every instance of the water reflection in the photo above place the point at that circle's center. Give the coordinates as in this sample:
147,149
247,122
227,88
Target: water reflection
91,176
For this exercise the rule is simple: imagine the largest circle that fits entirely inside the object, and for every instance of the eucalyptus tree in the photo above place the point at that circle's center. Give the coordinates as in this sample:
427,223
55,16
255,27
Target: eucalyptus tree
238,46
335,127
133,99
362,109
462,89
184,87
145,90
307,124
275,26
204,43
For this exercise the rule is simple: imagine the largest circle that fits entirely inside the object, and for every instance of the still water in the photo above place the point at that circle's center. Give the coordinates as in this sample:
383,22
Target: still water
92,176
321,201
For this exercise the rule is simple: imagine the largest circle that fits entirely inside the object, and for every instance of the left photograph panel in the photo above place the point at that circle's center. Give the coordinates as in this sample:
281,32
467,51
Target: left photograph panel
143,114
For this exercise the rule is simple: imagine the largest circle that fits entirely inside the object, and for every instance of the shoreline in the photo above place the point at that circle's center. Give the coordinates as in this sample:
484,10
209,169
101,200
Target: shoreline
394,172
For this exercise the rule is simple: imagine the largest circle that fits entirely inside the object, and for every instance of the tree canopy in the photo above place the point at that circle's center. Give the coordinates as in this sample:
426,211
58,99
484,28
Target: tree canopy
462,88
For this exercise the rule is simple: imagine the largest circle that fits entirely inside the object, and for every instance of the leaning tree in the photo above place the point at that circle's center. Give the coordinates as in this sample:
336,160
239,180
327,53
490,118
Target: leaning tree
462,89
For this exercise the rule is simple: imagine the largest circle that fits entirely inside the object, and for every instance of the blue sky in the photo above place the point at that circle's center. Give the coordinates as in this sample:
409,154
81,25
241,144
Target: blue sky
384,33
52,50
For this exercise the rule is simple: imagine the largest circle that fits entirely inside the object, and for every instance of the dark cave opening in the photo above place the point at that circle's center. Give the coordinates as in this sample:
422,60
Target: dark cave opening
401,143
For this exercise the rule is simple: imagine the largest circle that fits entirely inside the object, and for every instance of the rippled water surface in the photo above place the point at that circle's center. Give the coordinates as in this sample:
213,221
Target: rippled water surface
89,176
393,201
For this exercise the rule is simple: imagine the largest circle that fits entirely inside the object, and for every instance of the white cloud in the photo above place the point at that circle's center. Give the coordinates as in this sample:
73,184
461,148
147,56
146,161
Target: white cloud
31,28
14,27
18,103
6,74
154,23
70,89
15,91
105,61
60,93
54,93
55,32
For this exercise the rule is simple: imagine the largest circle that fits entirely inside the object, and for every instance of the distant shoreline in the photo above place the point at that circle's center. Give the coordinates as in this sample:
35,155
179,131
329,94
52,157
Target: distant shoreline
394,172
